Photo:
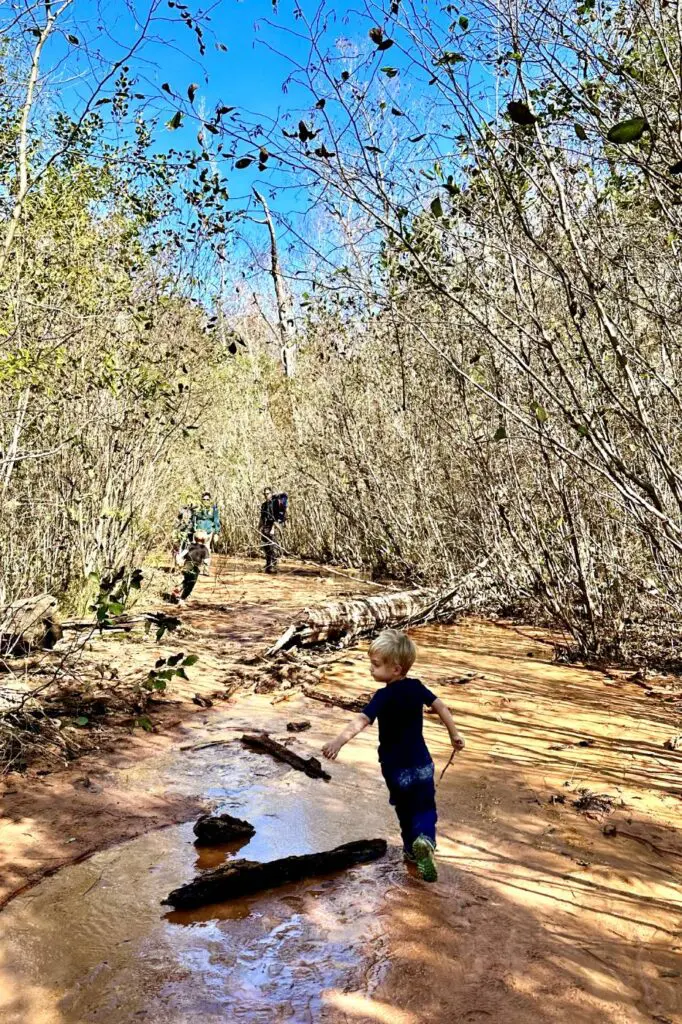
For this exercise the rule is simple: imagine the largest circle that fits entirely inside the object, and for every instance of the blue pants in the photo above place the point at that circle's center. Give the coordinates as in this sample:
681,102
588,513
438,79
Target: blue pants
412,793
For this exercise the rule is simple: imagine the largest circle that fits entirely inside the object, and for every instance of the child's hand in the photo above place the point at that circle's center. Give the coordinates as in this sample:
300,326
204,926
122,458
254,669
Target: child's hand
331,750
457,741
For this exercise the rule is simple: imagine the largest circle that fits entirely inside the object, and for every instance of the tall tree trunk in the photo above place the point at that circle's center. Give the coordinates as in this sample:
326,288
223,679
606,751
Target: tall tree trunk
285,318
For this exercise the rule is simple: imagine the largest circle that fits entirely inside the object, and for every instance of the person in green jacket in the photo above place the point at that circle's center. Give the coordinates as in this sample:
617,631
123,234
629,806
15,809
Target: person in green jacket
206,520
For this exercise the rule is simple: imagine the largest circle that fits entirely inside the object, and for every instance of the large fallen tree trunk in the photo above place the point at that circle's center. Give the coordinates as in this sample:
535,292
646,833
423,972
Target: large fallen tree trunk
340,622
244,877
345,620
264,745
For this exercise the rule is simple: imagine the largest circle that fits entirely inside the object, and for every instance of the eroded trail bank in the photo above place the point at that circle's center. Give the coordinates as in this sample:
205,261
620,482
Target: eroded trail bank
543,913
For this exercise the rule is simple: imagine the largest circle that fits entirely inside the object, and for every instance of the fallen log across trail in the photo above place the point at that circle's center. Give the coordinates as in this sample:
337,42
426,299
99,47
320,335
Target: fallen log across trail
342,621
244,877
263,744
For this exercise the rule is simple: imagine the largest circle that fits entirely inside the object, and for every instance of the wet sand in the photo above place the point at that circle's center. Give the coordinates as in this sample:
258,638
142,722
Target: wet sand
538,915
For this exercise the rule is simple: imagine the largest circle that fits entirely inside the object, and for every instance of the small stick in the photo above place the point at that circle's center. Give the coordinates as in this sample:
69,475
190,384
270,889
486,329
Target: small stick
451,759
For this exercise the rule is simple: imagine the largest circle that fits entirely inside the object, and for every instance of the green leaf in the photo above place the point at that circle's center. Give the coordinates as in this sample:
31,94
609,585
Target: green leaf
74,40
582,430
175,121
448,58
159,684
463,22
376,35
541,413
416,138
389,72
144,723
500,434
628,131
580,132
175,659
243,162
437,207
397,112
386,45
181,672
82,720
166,88
520,113
190,660
192,91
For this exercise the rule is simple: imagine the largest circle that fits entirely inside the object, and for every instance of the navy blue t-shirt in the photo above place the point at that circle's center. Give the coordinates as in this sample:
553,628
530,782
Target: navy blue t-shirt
399,709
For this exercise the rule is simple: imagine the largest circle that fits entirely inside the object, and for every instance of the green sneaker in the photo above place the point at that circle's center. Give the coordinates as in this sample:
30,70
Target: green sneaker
423,850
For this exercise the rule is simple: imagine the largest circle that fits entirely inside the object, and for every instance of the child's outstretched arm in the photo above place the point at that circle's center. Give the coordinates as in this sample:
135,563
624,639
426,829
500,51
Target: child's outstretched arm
448,721
331,750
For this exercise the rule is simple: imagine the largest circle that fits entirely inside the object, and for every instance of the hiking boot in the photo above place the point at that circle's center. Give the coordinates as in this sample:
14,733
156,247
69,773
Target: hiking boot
423,850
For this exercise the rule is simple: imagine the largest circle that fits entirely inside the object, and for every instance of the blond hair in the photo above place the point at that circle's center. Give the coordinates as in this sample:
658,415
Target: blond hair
394,645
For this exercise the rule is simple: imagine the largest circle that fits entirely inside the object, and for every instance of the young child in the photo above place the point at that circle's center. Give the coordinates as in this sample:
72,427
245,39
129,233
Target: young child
405,760
195,556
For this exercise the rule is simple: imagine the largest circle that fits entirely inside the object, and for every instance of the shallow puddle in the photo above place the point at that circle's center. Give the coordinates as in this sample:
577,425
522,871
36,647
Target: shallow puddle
94,944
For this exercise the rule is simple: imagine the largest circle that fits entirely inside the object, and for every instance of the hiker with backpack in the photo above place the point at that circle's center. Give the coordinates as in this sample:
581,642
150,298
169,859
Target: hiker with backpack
273,514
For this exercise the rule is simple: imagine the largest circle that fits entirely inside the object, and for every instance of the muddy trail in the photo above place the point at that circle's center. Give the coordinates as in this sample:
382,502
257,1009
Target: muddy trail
544,913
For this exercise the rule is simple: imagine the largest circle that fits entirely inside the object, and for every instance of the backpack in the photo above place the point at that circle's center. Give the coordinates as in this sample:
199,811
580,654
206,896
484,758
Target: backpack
279,507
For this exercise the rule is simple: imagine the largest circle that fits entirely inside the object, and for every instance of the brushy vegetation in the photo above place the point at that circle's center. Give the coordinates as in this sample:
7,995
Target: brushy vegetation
485,313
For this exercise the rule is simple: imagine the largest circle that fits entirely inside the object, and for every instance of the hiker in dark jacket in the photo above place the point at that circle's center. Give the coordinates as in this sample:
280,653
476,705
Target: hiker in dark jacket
268,527
206,520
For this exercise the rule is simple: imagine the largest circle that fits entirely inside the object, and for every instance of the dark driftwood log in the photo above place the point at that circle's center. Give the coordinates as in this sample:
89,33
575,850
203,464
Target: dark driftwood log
264,745
335,699
298,726
245,877
221,828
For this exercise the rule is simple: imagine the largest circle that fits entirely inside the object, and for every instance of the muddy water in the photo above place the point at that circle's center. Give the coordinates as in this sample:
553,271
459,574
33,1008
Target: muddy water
94,944
541,915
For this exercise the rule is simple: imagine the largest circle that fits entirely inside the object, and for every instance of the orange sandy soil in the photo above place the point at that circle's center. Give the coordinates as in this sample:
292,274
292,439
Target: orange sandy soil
52,817
538,915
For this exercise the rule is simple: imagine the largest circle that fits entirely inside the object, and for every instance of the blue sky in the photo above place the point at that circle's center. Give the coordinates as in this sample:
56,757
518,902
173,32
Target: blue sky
249,75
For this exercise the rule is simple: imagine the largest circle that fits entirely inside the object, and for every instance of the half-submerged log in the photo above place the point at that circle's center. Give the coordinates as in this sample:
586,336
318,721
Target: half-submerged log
221,828
244,877
263,744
